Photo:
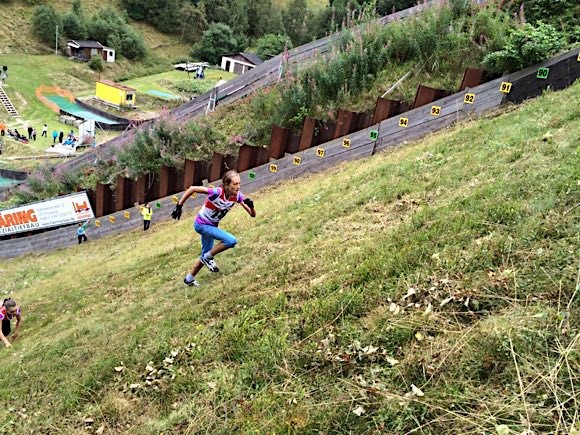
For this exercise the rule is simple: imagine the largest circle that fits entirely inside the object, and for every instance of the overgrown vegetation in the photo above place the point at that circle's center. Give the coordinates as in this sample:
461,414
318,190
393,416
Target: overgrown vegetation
436,46
431,289
105,26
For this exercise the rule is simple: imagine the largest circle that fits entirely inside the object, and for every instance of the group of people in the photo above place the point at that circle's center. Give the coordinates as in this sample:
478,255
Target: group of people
219,201
70,139
16,135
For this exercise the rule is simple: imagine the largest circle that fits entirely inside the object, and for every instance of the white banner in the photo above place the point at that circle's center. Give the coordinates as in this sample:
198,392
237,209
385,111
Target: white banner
52,213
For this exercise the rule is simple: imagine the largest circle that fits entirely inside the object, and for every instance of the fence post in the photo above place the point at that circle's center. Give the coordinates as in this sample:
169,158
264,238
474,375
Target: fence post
215,169
472,77
278,142
261,155
245,158
343,123
104,200
426,95
384,109
138,191
307,135
122,193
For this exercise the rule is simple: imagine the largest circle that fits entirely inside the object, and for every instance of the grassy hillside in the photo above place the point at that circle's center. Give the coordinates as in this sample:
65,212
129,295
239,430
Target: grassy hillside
432,289
17,36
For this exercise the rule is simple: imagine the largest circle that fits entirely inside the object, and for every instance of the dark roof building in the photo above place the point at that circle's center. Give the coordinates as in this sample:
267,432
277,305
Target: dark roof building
84,50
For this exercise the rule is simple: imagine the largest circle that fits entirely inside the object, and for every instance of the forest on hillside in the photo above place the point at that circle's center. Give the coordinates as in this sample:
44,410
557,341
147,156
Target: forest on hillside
212,27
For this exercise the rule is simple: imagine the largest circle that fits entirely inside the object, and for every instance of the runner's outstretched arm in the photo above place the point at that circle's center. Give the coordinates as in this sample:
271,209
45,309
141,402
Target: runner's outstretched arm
176,213
191,191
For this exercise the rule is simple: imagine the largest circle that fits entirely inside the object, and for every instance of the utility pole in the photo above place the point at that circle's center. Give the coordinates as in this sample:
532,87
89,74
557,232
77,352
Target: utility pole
56,42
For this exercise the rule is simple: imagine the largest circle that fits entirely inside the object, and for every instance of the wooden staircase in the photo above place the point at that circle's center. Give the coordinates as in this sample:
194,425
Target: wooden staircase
8,104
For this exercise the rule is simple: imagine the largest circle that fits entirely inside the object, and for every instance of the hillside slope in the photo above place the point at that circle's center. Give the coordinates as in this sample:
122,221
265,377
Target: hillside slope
432,289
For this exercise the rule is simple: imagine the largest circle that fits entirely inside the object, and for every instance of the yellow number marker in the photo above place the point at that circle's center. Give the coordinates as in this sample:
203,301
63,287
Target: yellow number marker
403,122
127,215
97,223
346,143
112,219
174,199
320,152
435,110
469,98
505,87
273,168
297,160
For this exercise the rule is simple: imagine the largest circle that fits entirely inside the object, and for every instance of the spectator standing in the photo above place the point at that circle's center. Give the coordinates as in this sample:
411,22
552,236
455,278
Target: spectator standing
3,77
81,232
30,132
44,131
34,134
147,212
60,136
54,136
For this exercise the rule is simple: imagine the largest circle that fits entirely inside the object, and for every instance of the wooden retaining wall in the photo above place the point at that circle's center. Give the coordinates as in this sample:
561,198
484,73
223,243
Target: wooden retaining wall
394,131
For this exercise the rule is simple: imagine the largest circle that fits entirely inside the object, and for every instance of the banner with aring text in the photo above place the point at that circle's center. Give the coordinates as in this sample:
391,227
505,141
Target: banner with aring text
52,213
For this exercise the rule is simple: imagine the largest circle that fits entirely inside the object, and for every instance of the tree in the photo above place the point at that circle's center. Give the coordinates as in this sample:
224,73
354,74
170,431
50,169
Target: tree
131,44
44,22
193,22
216,41
111,29
271,45
295,21
74,23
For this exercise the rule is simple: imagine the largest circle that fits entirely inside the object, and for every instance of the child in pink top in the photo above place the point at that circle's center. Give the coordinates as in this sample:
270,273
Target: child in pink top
8,311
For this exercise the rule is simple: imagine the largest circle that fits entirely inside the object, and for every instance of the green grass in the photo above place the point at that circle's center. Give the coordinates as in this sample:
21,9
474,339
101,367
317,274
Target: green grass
311,4
302,326
156,81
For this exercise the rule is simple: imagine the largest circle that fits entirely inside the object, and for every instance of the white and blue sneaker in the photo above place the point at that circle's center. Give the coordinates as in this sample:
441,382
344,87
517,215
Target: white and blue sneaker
192,283
210,263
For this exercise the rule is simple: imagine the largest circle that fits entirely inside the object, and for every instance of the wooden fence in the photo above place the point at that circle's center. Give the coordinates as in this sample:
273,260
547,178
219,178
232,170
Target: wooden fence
260,77
260,167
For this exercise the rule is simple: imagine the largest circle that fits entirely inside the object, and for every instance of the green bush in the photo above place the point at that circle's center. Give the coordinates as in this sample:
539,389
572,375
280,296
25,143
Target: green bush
74,23
216,41
44,22
96,63
111,29
271,45
526,46
193,87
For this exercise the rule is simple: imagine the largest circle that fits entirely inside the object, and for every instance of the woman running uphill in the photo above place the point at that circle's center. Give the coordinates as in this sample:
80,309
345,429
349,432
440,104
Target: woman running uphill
219,201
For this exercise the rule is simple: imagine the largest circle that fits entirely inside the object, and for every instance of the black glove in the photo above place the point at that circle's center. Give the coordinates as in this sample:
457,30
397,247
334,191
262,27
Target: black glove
249,203
176,213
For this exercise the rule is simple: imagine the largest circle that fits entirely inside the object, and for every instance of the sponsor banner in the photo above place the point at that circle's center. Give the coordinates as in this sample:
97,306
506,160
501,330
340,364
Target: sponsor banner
52,213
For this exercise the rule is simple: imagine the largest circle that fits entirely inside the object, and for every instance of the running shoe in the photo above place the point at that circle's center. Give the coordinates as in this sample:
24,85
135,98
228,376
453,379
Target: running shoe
210,263
192,283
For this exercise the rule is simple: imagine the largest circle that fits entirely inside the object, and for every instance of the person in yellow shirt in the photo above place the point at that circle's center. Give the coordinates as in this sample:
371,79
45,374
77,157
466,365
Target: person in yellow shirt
147,212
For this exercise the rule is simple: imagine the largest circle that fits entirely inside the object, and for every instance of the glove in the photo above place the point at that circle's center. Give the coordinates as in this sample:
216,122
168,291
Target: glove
249,203
176,213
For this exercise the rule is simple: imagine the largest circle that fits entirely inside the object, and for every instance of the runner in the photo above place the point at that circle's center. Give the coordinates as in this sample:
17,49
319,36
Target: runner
8,311
219,201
